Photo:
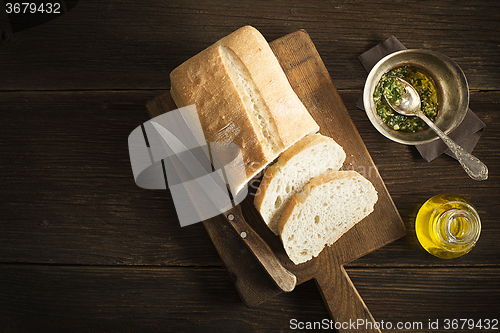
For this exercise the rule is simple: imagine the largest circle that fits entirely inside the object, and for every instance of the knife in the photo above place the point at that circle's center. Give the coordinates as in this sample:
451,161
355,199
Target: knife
211,187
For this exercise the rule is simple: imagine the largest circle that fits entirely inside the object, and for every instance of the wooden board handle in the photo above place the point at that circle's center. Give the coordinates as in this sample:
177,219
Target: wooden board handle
344,304
283,278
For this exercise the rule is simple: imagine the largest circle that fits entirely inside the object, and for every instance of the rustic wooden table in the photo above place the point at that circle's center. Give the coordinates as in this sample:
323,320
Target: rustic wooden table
82,248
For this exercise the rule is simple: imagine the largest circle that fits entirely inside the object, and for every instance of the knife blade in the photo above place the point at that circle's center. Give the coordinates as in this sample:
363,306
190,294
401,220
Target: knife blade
283,278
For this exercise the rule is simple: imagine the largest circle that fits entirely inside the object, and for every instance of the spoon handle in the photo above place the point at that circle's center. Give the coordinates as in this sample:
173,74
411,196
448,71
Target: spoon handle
476,169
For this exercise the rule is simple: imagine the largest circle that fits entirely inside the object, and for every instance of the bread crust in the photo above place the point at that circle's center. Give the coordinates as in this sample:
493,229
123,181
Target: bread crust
301,196
207,81
274,170
291,117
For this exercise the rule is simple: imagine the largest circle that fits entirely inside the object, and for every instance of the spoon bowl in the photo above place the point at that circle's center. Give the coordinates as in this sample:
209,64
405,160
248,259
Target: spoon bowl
409,102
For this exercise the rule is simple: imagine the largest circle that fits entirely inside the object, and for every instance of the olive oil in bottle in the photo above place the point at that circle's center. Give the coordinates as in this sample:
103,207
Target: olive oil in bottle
447,226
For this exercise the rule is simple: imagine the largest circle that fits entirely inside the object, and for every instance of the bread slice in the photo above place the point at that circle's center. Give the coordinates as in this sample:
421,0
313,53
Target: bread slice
312,156
327,207
243,97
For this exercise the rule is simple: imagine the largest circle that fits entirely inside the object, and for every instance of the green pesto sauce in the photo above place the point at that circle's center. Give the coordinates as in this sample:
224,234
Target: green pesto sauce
389,87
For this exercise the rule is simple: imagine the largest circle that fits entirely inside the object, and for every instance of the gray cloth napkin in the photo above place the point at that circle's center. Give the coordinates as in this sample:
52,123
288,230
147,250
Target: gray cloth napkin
466,134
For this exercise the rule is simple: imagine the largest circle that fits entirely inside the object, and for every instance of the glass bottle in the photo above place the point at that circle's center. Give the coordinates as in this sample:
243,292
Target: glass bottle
447,226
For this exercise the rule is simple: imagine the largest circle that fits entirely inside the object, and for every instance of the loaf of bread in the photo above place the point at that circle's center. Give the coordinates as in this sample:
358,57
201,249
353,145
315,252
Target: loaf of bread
242,96
327,207
312,156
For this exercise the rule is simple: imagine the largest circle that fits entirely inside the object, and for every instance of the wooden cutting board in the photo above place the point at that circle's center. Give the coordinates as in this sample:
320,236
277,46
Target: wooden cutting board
312,83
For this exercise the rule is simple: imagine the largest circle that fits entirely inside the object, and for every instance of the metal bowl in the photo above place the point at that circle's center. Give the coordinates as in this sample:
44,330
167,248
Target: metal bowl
451,85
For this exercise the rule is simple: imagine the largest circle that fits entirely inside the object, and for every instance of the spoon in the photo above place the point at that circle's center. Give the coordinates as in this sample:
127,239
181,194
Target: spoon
409,105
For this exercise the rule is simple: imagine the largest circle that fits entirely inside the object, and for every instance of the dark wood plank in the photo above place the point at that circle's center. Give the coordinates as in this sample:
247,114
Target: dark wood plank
67,191
68,196
52,298
131,45
133,299
429,294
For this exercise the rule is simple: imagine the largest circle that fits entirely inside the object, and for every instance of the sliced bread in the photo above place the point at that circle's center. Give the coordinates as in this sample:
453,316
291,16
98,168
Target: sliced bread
312,156
327,207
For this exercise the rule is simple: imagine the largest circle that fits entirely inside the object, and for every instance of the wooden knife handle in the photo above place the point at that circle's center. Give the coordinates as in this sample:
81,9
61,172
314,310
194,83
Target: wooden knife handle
283,278
344,304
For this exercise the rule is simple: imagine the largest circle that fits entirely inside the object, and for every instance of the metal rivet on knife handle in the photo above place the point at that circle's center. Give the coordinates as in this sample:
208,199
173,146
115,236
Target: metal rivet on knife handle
230,217
243,235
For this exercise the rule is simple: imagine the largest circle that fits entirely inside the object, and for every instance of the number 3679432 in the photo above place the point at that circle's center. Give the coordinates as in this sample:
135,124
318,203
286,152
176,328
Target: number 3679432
32,8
